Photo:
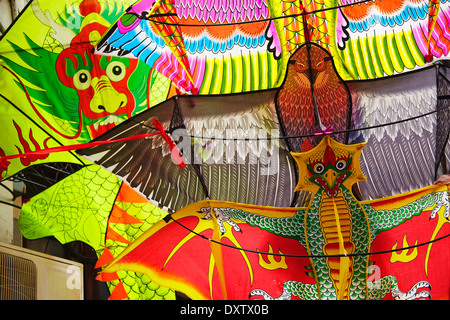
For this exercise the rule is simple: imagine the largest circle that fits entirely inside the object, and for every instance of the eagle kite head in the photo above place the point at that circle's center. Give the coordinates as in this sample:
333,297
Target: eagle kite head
329,166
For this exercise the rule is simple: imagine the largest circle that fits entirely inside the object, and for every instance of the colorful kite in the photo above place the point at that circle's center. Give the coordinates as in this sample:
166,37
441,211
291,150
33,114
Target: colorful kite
255,81
95,207
202,53
247,177
223,40
56,92
325,250
237,146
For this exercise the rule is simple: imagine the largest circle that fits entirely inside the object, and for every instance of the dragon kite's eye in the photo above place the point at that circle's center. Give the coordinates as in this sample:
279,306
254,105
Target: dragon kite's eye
82,79
115,71
341,164
319,168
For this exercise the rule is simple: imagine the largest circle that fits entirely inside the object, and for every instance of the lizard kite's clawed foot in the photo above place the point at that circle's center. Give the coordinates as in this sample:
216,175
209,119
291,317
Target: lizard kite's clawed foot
412,294
258,292
221,218
442,203
207,212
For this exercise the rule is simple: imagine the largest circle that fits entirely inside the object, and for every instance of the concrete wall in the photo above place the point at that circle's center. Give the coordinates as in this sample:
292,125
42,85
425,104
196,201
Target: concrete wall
9,10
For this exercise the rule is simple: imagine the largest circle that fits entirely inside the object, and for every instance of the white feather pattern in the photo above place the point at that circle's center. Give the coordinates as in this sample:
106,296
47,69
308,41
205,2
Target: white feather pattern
397,157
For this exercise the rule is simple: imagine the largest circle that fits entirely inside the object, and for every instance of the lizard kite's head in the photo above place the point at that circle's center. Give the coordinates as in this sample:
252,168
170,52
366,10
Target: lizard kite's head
328,166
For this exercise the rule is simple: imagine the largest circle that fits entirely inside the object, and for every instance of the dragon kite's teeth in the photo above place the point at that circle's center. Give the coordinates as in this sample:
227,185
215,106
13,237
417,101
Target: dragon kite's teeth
108,120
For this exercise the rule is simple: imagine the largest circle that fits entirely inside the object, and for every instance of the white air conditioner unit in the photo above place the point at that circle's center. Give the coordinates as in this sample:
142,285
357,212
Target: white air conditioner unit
30,275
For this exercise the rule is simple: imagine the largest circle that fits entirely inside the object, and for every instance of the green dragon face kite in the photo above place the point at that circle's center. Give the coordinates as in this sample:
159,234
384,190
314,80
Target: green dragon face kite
88,93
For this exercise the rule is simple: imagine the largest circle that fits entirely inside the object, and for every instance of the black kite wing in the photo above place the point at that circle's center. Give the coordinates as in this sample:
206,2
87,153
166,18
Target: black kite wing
225,141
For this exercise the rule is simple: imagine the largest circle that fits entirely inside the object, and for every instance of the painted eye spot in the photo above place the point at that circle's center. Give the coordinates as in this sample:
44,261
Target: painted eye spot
320,65
128,19
301,67
341,164
82,80
319,168
115,71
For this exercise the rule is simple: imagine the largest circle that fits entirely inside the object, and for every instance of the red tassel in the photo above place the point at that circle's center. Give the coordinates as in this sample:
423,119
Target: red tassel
104,259
176,154
118,293
118,215
46,151
107,276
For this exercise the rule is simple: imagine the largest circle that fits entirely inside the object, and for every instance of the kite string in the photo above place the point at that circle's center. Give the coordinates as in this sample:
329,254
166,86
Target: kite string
328,131
4,159
169,217
71,147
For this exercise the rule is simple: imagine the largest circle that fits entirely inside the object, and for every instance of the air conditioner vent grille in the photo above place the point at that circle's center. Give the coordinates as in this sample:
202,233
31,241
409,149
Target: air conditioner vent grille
18,278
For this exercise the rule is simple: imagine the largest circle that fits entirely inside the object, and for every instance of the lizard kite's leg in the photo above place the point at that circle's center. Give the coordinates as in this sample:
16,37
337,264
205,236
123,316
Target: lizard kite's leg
388,284
304,291
380,288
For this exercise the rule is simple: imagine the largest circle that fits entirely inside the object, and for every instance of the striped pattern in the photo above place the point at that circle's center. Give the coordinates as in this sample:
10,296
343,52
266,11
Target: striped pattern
168,29
381,45
336,225
401,157
219,60
370,57
235,73
222,11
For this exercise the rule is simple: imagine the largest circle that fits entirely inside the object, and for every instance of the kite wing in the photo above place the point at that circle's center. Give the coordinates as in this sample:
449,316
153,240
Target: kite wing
223,250
221,51
215,270
406,154
376,39
225,141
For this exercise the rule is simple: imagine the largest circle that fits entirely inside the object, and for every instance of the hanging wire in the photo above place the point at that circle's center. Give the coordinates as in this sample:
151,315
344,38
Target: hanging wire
305,135
9,190
153,16
294,15
169,217
10,204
